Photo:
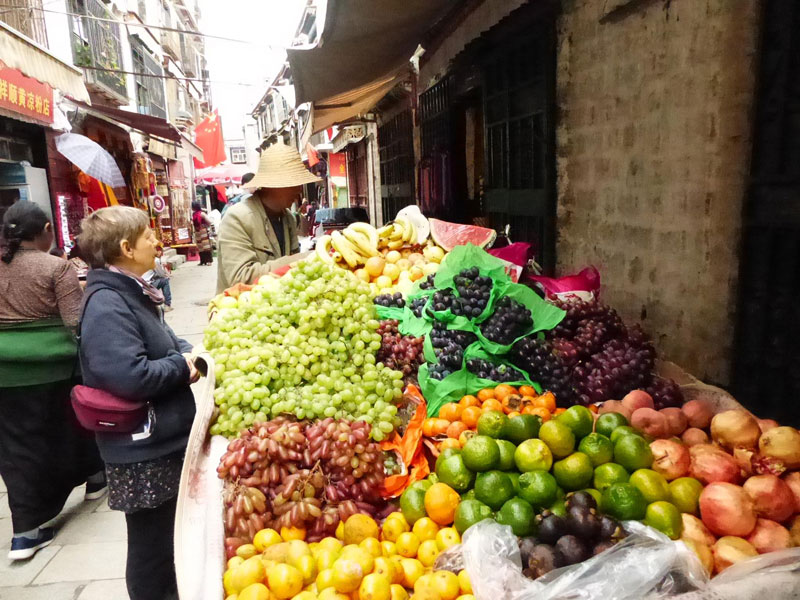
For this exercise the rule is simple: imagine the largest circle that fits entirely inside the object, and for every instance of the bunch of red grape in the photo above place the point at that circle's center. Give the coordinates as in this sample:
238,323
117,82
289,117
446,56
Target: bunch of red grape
400,352
286,473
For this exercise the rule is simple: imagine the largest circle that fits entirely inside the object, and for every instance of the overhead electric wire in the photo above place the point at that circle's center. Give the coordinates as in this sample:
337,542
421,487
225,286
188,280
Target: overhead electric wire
136,73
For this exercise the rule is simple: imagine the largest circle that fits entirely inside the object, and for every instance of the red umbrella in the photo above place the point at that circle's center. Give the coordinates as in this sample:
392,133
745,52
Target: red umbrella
221,175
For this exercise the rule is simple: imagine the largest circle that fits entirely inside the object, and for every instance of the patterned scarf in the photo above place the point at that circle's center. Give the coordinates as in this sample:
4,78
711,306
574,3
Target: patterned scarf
150,291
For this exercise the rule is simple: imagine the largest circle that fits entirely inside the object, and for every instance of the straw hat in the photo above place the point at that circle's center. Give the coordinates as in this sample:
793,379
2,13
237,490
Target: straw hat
280,166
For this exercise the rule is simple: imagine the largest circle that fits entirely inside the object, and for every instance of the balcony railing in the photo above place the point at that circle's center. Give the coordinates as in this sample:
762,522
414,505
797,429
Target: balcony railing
96,47
25,16
171,43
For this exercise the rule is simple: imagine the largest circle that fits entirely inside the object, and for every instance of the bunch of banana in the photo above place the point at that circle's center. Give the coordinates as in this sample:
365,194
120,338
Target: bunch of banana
354,244
397,234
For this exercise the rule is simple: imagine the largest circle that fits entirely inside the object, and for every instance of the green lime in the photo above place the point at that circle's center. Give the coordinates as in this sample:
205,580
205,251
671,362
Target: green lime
632,452
468,495
574,472
594,494
624,502
684,493
608,422
507,449
521,428
412,504
514,476
481,453
446,453
493,488
532,455
609,473
654,486
433,478
470,512
559,507
492,423
538,487
622,430
519,515
598,448
558,437
579,419
455,473
665,517
422,484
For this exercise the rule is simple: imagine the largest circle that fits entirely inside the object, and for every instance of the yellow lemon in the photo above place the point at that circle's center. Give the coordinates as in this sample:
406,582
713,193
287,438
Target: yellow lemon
277,552
447,537
254,591
235,561
331,544
446,584
326,558
464,583
305,595
297,549
392,528
388,548
340,531
398,592
249,572
266,538
285,581
407,544
375,587
371,545
324,579
427,553
227,582
246,551
232,597
331,594
466,597
308,567
424,584
361,556
412,571
347,575
425,529
292,533
385,567
358,527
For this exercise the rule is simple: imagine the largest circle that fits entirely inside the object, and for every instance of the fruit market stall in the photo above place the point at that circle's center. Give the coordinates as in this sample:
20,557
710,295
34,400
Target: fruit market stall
395,407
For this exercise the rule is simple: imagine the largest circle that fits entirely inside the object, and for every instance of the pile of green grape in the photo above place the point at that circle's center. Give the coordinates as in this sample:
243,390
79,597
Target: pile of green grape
306,346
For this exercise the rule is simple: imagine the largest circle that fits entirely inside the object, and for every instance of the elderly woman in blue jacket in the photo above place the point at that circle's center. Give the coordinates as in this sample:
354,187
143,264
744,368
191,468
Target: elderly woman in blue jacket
127,349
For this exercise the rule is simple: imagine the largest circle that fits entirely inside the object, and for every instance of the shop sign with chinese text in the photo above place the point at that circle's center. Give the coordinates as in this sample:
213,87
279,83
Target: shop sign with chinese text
25,96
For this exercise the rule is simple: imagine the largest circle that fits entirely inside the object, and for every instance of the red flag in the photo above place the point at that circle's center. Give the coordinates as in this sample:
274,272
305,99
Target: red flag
208,136
313,155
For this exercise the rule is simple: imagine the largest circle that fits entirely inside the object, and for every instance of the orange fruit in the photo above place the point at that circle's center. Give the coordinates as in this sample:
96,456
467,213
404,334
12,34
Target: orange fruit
470,416
440,426
514,413
527,390
559,411
539,411
441,502
492,404
503,390
485,394
512,402
456,429
451,412
464,437
547,400
427,427
468,401
593,408
449,442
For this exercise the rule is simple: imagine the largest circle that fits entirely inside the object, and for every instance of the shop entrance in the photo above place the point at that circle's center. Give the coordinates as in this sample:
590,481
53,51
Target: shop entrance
767,353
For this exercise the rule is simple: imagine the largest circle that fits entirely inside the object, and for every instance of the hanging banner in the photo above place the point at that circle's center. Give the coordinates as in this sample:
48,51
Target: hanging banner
26,96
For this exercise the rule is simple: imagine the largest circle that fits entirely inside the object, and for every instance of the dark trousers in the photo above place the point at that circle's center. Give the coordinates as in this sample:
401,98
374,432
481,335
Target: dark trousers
150,571
206,257
44,452
162,283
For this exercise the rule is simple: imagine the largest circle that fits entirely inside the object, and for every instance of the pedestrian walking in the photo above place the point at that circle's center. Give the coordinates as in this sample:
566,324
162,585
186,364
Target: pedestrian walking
44,453
260,230
202,234
159,276
128,350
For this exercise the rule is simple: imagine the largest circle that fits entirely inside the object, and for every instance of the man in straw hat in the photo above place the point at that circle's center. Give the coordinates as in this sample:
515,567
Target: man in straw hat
259,234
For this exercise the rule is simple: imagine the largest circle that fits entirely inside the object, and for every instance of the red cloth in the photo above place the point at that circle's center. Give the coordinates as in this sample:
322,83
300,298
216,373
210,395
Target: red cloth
208,136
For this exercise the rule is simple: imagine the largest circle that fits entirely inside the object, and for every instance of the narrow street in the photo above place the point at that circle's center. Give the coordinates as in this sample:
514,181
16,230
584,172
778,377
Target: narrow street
86,561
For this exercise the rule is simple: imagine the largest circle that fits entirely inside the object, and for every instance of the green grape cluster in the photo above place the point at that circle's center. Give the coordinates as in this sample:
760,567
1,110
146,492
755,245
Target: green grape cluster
305,345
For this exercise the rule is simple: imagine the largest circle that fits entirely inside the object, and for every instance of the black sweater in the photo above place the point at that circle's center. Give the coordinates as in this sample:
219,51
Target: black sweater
128,350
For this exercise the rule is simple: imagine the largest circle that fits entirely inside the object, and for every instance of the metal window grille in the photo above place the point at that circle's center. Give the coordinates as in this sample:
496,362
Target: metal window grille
97,44
396,144
23,16
150,98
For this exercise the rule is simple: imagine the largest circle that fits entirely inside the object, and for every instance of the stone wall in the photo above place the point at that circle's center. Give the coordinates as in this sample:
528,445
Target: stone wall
653,145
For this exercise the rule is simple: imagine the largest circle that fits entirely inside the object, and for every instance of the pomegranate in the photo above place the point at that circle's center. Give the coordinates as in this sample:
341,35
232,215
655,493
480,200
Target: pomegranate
782,443
709,464
676,420
726,509
772,497
793,481
694,529
744,458
735,429
650,422
767,424
694,436
769,536
794,530
615,406
766,465
729,550
670,458
637,399
698,413
703,552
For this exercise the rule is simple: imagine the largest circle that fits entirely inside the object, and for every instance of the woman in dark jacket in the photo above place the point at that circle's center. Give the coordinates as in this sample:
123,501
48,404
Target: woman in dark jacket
127,349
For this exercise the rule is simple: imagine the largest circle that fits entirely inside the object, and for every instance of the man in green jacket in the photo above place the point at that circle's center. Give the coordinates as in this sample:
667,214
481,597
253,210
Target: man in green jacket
259,234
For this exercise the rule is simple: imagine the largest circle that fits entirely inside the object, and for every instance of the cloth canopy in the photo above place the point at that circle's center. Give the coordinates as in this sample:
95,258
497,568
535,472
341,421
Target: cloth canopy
144,123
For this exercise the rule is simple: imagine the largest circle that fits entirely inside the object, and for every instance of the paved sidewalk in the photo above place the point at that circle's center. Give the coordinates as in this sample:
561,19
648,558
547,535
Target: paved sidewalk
86,561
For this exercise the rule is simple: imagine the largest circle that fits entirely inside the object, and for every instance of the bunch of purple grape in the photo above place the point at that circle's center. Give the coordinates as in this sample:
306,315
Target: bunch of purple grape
544,363
509,320
449,346
395,300
500,373
400,352
474,292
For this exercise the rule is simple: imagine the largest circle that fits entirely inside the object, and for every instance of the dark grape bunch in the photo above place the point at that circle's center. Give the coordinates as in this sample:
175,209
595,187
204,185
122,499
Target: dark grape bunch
427,283
418,305
487,370
395,300
439,371
449,346
442,300
400,352
665,392
544,364
474,293
509,320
